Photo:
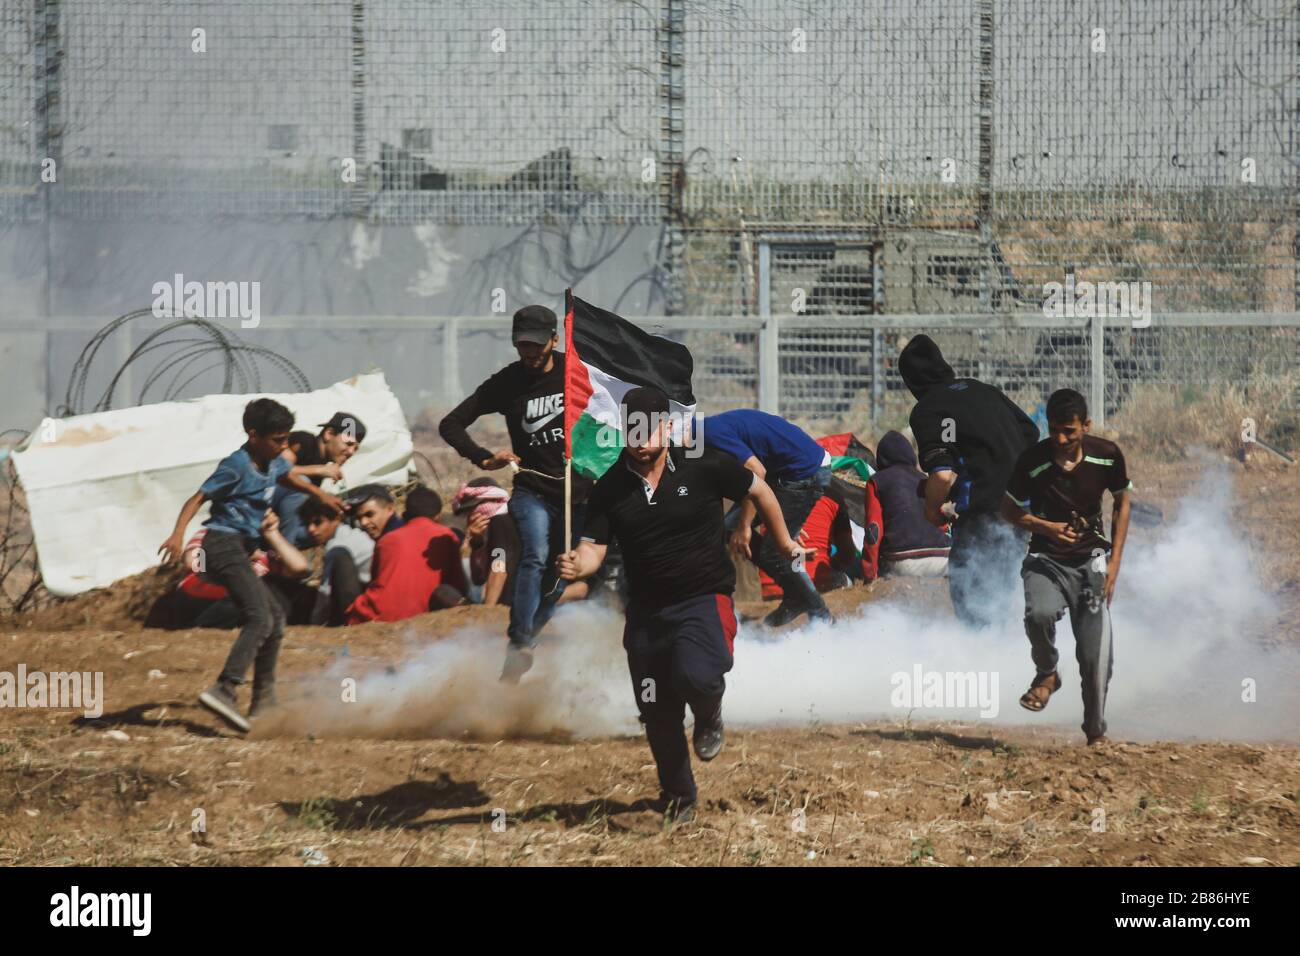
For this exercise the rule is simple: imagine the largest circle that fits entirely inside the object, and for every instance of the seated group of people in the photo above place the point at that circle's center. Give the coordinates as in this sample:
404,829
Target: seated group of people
375,564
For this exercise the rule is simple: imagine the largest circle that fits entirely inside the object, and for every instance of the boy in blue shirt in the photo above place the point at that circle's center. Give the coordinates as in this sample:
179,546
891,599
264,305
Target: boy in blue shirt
240,491
799,472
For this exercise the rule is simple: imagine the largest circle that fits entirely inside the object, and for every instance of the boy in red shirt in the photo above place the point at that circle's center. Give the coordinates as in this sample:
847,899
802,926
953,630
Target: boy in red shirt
416,567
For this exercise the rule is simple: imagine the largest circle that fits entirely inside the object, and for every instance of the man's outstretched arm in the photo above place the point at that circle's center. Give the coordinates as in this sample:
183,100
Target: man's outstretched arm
938,485
455,424
764,499
582,562
171,548
1058,531
1119,531
744,532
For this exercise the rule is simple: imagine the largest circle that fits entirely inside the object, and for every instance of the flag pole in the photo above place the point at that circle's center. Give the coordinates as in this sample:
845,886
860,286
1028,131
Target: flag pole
568,438
568,504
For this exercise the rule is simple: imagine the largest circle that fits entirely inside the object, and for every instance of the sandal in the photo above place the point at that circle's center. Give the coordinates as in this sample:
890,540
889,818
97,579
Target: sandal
1040,691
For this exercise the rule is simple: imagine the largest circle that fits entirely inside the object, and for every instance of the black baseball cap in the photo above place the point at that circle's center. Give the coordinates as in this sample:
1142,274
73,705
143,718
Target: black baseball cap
370,492
346,422
533,323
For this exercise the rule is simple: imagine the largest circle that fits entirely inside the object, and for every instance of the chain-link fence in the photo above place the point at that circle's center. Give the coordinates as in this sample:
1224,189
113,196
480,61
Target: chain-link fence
831,373
812,176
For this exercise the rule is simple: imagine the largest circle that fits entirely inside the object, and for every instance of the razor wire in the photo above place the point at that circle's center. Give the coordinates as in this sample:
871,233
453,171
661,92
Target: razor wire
182,343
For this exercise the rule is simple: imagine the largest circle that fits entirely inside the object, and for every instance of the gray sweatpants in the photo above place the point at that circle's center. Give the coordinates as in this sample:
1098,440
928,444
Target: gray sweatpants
1053,587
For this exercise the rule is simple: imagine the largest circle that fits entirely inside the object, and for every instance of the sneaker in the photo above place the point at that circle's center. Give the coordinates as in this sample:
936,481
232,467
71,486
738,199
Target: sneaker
678,812
263,700
784,614
519,660
708,737
220,699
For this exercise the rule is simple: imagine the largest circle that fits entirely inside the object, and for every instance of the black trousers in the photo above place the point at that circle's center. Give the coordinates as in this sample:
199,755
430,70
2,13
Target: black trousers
261,616
677,656
797,500
344,588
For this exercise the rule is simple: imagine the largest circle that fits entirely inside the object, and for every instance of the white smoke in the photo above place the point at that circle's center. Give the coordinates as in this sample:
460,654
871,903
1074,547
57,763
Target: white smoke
450,687
1191,623
1190,618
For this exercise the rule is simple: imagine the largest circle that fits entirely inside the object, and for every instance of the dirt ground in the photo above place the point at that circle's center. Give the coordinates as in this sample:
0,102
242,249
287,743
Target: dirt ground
133,786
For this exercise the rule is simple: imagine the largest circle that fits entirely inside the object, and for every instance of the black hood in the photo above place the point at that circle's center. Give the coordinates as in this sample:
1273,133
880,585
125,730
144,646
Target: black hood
895,449
922,366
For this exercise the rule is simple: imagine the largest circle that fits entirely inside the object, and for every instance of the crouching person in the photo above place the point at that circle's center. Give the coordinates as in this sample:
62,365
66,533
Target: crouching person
347,552
416,567
911,546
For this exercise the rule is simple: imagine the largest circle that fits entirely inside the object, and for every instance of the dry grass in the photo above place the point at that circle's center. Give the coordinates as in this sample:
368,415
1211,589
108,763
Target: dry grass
1166,421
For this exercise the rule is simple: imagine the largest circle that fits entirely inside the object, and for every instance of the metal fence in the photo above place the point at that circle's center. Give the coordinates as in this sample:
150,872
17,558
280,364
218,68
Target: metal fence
823,178
827,373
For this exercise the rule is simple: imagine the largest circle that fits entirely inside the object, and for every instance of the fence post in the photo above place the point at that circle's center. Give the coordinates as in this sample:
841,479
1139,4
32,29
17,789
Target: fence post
672,147
984,187
48,52
877,377
1097,398
451,391
769,339
358,195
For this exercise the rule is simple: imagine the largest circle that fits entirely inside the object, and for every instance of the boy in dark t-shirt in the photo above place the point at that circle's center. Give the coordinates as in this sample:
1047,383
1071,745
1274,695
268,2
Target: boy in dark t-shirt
1055,493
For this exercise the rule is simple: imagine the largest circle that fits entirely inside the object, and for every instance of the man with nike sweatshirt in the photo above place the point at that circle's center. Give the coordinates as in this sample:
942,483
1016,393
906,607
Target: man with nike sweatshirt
530,394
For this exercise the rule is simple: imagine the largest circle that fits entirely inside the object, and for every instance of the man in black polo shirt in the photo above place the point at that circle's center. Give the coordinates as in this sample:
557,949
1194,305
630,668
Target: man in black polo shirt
1055,493
665,509
530,394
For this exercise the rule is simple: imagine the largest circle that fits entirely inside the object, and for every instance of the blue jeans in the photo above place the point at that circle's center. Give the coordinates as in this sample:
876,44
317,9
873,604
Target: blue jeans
537,587
796,499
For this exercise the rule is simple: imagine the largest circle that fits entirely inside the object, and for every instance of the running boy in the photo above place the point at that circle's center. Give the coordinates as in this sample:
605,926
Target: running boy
240,491
1055,492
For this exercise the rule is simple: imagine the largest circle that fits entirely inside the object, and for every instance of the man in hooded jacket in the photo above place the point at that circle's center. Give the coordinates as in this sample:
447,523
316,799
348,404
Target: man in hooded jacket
969,436
910,546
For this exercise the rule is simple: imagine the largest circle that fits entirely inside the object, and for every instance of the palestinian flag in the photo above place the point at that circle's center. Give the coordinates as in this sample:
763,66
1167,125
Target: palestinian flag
852,465
604,357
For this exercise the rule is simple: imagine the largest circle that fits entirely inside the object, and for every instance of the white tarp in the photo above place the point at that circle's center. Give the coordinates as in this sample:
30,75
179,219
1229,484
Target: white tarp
104,489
